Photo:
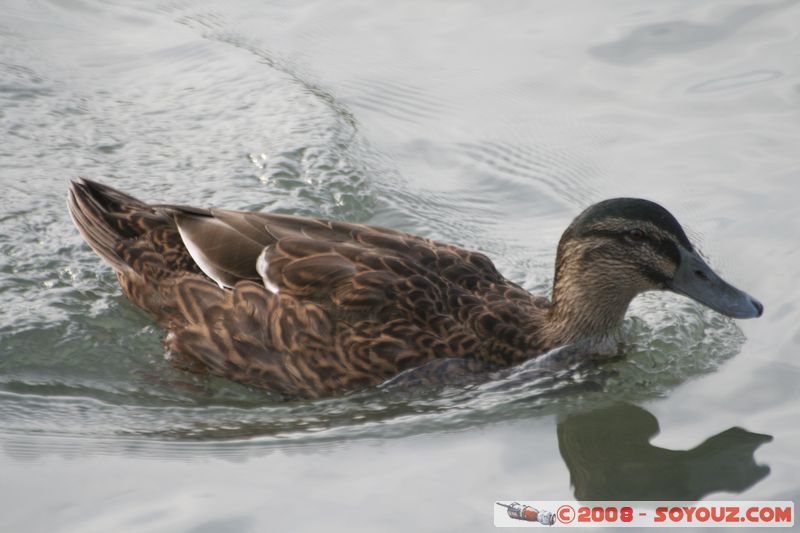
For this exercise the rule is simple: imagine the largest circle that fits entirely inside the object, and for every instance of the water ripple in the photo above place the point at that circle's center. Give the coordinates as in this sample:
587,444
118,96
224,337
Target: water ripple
197,112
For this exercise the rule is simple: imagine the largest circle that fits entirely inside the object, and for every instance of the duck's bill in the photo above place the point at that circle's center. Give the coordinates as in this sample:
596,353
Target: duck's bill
695,279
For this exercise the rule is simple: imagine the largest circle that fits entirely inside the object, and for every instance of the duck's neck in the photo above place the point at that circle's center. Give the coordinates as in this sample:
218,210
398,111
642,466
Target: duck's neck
585,306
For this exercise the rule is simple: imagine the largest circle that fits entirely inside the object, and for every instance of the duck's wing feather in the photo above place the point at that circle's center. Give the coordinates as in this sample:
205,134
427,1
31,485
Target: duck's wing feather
335,263
223,252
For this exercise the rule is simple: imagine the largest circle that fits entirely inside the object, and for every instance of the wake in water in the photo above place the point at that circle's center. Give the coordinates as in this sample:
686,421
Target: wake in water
77,359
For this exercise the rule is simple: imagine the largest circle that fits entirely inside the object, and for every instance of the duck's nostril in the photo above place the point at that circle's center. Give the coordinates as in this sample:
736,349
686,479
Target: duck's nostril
758,305
702,275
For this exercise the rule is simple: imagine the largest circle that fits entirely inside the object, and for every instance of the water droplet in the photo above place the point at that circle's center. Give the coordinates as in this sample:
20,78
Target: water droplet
259,160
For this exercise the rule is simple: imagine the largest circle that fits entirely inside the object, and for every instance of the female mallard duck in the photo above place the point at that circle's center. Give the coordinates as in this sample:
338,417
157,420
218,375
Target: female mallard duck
308,307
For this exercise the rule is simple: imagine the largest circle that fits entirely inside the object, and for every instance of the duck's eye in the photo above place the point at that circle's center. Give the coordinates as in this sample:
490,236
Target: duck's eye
636,235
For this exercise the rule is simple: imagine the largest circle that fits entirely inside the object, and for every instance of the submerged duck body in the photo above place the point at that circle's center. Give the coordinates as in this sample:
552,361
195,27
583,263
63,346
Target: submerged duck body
308,307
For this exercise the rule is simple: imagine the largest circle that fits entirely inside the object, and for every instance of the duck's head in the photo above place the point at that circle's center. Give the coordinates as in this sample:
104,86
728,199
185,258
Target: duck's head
621,247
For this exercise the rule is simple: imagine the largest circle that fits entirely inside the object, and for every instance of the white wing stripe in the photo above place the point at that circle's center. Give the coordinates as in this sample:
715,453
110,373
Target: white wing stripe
261,268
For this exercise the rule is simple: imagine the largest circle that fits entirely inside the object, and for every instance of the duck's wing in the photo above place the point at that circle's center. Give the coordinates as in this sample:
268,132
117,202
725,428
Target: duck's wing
340,264
337,264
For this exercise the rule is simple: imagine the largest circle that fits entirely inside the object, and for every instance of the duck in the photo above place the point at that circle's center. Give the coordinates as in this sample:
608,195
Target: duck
308,307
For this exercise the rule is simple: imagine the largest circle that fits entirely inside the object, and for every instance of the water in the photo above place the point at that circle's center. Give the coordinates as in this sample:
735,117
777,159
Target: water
483,124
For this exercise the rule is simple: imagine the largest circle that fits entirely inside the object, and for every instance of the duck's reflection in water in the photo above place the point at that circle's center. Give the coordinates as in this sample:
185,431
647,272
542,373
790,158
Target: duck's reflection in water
609,457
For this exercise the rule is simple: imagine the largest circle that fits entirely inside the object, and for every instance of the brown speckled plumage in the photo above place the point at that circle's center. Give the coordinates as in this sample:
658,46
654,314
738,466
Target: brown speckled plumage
355,304
309,307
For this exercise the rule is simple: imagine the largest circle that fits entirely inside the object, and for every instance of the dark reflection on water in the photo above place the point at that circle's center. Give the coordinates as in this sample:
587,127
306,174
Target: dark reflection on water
609,457
677,36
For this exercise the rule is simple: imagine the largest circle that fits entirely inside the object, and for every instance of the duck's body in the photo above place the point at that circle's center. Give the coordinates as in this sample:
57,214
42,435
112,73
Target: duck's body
309,307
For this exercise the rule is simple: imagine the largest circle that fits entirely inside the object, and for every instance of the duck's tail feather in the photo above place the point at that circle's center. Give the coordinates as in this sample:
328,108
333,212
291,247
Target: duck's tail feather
106,217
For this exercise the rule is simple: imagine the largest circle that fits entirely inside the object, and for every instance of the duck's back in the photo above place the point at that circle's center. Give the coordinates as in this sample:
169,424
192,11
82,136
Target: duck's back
303,306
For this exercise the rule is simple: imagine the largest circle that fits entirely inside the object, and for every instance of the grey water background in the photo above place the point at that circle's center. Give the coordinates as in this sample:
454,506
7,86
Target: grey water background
485,124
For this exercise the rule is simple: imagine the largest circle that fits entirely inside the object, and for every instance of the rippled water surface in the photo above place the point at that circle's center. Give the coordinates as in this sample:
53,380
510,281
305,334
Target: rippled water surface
485,124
